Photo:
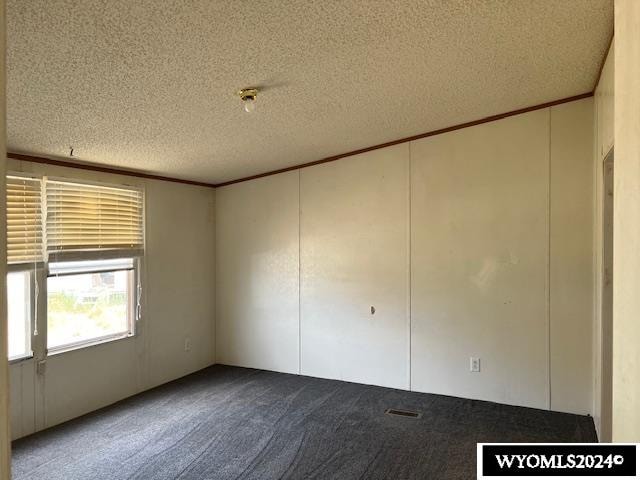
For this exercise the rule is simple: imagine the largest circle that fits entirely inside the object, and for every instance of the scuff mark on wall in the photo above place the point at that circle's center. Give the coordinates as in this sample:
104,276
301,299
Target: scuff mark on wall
490,269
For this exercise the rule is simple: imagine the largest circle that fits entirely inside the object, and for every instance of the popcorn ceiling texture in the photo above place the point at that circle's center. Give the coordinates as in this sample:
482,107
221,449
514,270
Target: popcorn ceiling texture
151,85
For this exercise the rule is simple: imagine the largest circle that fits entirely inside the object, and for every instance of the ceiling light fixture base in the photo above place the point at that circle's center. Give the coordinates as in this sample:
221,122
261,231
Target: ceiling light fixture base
248,97
248,93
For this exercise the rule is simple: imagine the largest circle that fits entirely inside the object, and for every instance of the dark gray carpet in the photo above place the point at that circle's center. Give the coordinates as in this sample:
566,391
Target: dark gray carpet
230,423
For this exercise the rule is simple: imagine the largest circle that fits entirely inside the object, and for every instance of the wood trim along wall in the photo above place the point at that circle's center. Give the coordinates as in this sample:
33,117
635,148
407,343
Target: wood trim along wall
492,118
99,168
134,173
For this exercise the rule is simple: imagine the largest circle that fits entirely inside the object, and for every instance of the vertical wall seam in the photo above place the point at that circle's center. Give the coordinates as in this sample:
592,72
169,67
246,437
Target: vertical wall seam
299,279
596,300
144,270
21,415
409,272
548,289
215,278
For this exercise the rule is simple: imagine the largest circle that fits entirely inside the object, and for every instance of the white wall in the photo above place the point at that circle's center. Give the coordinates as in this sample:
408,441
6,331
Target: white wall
354,256
479,223
177,278
604,106
571,257
626,225
500,212
257,252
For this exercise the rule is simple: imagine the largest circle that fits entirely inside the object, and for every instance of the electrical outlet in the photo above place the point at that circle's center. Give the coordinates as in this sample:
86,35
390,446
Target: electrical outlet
187,344
474,364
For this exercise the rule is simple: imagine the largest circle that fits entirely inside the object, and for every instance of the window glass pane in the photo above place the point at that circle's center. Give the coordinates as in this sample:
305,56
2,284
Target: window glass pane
88,306
18,312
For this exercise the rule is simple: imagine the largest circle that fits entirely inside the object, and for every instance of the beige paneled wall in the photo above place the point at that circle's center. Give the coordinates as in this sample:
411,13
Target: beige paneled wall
491,231
180,269
603,116
177,281
257,264
626,224
571,256
479,207
354,290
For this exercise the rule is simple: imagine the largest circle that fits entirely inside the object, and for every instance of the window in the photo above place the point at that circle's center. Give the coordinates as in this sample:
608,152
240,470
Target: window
83,258
89,302
19,314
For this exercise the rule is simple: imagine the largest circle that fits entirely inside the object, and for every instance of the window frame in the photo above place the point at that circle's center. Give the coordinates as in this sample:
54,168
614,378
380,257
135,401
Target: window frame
133,286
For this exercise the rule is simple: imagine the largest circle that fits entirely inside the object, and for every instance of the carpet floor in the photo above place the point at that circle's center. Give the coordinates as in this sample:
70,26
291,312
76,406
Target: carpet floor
237,423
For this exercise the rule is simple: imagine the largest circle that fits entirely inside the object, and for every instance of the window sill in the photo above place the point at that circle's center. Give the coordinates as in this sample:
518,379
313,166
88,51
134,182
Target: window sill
88,344
17,360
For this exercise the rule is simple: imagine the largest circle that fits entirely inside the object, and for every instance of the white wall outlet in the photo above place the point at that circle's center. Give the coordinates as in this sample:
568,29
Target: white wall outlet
474,364
187,344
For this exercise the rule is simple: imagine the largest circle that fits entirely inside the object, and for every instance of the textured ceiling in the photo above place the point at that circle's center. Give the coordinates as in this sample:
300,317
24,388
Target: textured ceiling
150,84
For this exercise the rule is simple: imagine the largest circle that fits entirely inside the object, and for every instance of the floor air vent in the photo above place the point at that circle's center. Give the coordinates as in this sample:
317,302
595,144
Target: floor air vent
402,413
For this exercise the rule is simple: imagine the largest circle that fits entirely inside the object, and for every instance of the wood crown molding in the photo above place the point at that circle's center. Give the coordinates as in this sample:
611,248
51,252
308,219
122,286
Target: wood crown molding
100,168
460,126
135,173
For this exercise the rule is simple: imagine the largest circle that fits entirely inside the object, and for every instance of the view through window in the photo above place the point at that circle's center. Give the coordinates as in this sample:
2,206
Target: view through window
19,314
89,301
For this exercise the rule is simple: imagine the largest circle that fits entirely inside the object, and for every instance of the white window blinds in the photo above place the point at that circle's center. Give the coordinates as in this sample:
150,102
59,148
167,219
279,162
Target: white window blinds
86,217
24,220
